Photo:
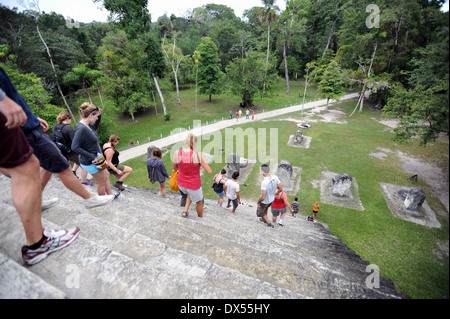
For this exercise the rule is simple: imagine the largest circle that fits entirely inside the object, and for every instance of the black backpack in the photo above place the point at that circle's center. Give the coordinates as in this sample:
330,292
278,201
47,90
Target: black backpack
58,137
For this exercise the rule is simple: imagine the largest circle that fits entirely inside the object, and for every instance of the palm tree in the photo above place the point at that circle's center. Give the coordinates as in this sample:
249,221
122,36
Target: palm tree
268,14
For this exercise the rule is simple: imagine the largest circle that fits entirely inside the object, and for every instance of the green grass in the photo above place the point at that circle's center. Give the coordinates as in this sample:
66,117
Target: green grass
402,250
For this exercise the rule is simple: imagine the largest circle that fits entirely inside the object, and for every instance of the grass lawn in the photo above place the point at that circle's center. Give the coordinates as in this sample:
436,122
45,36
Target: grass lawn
402,250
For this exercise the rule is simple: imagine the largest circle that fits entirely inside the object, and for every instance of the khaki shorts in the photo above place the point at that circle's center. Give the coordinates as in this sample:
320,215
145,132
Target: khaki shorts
262,209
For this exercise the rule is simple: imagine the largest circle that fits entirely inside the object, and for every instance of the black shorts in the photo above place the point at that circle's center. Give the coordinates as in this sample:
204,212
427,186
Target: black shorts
14,148
49,155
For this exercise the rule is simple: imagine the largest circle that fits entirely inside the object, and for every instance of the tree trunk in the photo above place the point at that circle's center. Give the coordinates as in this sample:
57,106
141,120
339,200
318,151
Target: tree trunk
267,58
53,67
160,94
196,87
286,71
100,96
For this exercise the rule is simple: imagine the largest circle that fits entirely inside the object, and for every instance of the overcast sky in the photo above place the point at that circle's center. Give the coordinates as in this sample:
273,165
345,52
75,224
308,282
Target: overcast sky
88,11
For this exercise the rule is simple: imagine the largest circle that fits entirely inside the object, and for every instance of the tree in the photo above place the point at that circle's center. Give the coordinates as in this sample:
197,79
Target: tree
174,57
155,64
309,75
268,14
133,15
246,76
36,15
423,108
331,85
83,75
209,67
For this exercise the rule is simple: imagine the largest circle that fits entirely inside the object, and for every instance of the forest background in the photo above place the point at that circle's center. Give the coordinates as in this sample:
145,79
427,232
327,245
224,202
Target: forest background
395,50
151,77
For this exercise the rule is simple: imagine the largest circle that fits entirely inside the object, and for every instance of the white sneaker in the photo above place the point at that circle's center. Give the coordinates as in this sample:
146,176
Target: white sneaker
56,240
46,204
98,200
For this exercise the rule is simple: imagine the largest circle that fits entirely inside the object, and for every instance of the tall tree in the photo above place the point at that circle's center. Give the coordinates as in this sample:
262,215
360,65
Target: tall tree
331,86
209,71
36,14
83,75
155,64
245,76
174,57
269,14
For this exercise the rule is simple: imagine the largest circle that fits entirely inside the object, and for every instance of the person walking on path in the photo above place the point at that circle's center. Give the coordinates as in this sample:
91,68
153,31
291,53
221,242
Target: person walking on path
67,133
121,172
219,181
86,144
268,187
157,171
50,158
253,115
279,205
295,205
188,163
232,189
18,162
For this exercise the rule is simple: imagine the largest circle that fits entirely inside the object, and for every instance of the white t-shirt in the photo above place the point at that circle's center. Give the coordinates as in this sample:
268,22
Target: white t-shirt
232,188
269,184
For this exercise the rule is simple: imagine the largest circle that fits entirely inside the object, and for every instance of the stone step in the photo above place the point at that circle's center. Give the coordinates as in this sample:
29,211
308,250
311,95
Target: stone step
140,239
240,246
105,272
17,282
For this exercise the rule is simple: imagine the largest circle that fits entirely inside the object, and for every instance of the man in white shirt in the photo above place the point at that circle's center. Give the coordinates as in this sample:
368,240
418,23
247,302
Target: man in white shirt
232,190
268,187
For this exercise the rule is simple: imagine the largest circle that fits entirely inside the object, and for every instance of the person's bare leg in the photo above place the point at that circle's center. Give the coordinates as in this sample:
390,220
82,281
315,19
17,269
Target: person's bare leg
27,197
162,189
186,207
126,172
200,209
72,183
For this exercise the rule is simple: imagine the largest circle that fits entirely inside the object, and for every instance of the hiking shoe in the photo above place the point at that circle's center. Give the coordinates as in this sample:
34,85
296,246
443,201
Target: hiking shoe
116,195
98,200
87,183
55,240
119,186
46,204
270,225
280,223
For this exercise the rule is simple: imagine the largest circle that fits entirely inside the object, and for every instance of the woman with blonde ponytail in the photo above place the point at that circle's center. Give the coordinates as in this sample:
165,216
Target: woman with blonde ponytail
188,163
86,144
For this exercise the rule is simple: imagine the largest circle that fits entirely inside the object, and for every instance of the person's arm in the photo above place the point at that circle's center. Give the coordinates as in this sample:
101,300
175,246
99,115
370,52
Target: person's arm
204,164
285,199
175,161
263,196
99,119
108,157
163,170
44,124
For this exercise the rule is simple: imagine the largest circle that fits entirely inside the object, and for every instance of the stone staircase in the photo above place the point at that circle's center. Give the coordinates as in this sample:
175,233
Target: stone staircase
139,246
